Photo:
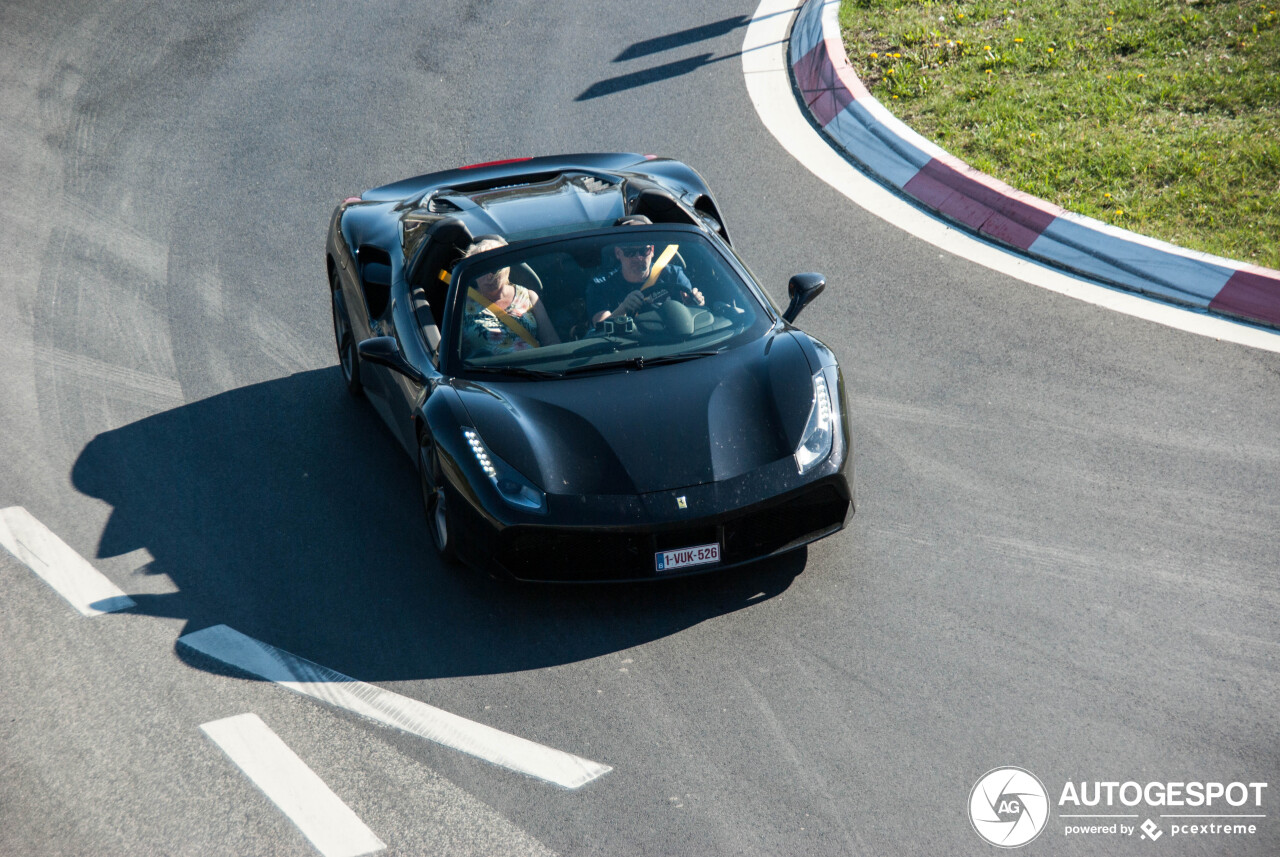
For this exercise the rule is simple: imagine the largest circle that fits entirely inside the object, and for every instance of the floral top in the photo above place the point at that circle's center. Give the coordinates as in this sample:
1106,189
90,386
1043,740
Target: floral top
484,333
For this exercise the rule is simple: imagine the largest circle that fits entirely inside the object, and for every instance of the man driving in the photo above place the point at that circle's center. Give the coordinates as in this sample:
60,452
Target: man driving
638,279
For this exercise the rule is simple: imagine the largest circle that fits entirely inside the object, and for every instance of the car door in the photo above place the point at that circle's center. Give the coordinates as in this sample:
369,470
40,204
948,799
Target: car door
413,326
375,277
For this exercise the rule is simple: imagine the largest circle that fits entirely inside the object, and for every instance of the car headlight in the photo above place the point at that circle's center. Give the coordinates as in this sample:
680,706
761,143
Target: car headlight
819,433
511,485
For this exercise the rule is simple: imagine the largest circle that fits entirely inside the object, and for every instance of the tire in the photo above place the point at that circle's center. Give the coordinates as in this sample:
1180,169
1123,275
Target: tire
344,336
435,505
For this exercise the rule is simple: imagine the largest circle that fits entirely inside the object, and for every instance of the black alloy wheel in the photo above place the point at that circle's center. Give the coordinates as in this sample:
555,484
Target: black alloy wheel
348,356
435,504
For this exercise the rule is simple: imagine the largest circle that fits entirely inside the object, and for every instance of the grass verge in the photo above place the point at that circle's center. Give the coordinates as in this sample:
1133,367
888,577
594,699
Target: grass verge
1159,116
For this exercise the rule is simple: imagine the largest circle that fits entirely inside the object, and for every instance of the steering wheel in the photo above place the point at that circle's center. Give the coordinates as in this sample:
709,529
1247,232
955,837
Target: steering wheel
666,316
656,298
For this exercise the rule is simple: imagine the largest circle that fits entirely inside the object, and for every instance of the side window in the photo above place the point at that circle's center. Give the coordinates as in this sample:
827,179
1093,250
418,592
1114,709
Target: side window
414,230
426,321
446,242
375,279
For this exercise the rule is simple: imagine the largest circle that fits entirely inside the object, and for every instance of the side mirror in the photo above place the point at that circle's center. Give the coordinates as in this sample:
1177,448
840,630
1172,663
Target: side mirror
383,351
803,288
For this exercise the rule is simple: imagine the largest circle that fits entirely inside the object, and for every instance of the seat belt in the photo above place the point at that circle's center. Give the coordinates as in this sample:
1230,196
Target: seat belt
659,264
505,317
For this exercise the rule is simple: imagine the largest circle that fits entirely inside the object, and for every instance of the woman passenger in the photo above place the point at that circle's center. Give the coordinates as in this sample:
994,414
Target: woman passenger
502,317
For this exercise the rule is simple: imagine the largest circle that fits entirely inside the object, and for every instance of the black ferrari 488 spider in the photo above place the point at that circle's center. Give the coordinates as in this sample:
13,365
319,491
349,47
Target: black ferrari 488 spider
591,384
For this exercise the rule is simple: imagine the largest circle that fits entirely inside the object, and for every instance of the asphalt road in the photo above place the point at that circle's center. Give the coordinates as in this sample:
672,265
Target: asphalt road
1064,556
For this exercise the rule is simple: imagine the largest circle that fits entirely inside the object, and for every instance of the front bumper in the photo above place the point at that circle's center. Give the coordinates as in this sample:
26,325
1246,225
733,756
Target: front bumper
617,541
562,554
614,538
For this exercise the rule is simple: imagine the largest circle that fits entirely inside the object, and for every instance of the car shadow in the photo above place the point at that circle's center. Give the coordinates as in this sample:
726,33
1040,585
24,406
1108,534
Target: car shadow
287,511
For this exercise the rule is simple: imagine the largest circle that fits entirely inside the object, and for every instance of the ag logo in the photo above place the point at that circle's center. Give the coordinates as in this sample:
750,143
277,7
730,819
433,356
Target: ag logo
1008,807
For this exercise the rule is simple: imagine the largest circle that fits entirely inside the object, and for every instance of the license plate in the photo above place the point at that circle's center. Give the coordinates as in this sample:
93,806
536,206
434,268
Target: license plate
685,557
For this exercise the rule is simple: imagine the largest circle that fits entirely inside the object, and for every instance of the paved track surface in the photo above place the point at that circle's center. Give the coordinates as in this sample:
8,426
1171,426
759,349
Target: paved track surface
1064,557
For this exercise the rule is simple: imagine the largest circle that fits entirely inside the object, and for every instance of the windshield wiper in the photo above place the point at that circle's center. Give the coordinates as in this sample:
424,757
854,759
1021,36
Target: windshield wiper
640,362
521,371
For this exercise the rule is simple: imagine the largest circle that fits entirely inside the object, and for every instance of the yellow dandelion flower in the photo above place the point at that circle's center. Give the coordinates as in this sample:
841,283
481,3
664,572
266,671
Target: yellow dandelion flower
1119,211
988,71
1108,29
1107,195
986,47
897,56
961,15
874,55
1050,50
1017,40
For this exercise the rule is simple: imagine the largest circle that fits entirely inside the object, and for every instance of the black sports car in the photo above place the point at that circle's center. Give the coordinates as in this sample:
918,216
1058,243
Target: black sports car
591,383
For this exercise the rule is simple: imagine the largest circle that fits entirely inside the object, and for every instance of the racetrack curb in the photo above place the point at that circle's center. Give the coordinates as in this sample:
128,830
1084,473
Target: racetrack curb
879,143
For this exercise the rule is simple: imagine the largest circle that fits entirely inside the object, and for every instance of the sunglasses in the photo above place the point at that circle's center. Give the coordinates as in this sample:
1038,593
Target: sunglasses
633,252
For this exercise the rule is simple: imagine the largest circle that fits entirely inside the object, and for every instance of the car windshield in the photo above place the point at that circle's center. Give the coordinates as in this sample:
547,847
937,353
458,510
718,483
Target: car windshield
632,298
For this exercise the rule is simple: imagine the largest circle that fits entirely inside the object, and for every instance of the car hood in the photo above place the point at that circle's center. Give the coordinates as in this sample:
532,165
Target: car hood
654,429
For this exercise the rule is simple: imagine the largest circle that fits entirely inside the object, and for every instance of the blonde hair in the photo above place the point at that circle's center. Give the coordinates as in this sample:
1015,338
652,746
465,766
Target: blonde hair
484,245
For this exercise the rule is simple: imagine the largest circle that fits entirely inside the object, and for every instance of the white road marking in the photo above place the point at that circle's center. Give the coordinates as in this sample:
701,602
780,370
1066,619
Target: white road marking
302,676
764,66
58,565
302,796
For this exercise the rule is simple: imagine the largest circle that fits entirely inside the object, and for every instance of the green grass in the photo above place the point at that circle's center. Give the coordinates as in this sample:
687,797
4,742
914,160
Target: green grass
1161,116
